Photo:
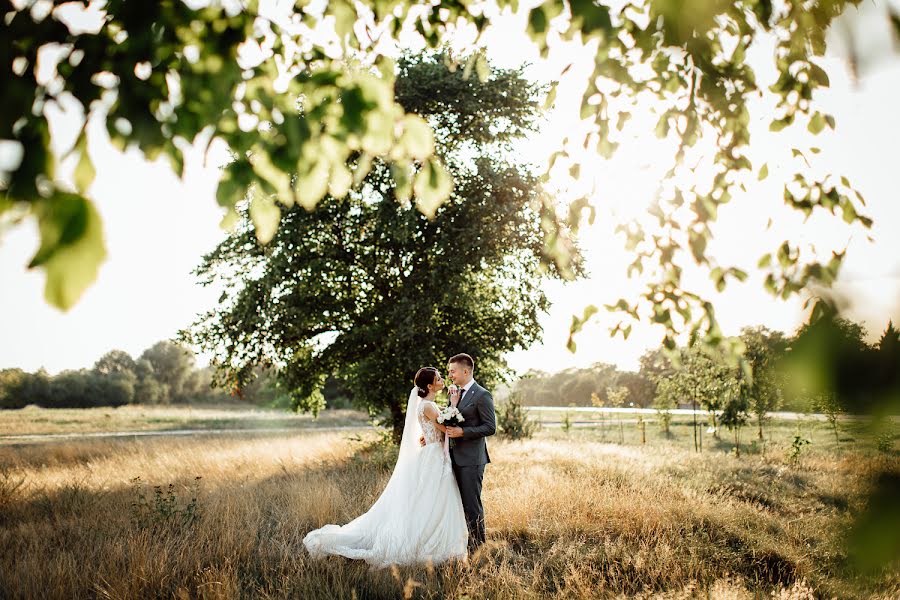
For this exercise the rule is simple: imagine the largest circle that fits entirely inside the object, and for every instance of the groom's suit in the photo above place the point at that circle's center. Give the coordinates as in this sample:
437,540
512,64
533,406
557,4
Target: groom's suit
469,455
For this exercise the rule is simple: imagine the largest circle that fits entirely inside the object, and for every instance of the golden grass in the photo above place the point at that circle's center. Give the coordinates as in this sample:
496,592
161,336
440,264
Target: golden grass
567,518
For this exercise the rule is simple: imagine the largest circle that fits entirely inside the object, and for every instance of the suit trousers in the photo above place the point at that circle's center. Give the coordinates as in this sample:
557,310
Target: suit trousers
469,479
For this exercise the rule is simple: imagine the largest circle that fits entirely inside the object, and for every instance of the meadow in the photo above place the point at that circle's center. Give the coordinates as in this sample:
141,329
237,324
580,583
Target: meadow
33,420
569,514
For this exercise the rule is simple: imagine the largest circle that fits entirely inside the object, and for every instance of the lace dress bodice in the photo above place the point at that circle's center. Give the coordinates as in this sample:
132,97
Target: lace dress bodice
431,433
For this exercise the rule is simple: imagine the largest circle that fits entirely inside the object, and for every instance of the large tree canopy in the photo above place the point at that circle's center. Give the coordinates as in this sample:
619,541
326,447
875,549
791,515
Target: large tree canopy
160,73
367,288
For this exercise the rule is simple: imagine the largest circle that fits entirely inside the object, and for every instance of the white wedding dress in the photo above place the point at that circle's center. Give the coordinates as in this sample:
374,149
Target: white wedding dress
418,518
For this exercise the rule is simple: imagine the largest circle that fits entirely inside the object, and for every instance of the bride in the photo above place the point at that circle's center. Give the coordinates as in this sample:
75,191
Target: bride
419,516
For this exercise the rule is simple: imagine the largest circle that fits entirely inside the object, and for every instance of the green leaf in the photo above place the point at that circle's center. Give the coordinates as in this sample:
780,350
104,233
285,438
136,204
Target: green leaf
341,180
84,170
662,126
551,96
482,69
344,17
578,325
312,182
763,172
432,187
72,247
265,216
590,18
698,246
779,124
278,179
537,20
417,139
816,123
400,171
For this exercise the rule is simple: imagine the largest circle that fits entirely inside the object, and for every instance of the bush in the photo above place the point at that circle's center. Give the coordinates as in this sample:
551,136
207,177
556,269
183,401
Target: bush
512,419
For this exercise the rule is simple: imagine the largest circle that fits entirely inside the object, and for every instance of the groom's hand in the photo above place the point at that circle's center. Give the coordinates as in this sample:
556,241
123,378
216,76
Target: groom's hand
454,432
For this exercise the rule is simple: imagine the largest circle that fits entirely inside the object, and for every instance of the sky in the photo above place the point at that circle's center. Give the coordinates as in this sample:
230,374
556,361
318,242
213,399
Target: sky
158,227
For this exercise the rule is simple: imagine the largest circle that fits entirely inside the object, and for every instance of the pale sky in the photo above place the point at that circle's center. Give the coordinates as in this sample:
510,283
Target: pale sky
158,227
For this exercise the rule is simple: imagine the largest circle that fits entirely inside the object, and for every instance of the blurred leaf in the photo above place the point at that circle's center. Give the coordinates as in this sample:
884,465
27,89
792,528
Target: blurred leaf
265,215
551,96
763,172
432,187
589,17
72,247
874,539
578,325
84,170
312,182
482,69
417,138
816,123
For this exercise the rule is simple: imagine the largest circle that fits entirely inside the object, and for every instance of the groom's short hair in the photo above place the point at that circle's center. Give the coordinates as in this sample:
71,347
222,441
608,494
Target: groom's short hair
464,359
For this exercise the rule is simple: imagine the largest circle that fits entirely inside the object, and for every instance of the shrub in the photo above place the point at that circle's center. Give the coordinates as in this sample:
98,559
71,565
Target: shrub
512,419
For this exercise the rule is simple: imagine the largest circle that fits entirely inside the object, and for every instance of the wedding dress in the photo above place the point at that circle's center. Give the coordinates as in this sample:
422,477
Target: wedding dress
418,518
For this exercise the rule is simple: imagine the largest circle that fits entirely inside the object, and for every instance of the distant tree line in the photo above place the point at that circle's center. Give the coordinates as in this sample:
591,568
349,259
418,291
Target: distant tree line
776,376
164,373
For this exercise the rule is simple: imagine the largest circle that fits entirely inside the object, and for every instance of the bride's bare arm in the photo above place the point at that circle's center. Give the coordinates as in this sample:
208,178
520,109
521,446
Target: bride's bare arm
432,413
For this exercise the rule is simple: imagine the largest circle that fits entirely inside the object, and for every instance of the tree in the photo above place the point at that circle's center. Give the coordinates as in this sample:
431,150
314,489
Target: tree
735,411
664,402
366,288
640,389
148,389
12,381
887,370
828,405
114,361
512,419
617,397
763,349
161,73
36,388
699,377
172,367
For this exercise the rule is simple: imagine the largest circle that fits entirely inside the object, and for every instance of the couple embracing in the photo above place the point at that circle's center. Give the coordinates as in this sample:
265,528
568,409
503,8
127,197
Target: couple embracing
430,511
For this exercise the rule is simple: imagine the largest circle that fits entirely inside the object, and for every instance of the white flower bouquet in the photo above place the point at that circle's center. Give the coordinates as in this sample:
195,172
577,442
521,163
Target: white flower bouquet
450,417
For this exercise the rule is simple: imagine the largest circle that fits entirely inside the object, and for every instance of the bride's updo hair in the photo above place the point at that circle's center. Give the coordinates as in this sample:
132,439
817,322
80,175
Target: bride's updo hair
425,377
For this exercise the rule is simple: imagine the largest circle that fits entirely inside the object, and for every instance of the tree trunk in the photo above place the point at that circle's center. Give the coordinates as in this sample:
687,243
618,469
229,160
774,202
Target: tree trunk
694,411
737,443
398,419
759,418
715,428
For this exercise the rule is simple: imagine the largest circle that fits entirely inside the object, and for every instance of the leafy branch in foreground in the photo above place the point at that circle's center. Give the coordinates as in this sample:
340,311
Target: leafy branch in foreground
163,75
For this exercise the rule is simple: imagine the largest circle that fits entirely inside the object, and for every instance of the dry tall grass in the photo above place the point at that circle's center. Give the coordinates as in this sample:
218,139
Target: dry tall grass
566,518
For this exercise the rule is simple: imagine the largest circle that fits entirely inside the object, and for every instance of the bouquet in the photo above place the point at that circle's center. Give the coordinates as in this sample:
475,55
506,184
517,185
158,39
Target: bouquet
450,417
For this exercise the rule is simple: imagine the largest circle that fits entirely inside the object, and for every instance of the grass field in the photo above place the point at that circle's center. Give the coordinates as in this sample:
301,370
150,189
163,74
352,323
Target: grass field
569,515
33,420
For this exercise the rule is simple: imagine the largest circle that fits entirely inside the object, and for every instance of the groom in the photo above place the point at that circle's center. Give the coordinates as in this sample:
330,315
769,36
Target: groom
468,450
